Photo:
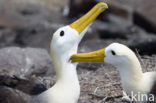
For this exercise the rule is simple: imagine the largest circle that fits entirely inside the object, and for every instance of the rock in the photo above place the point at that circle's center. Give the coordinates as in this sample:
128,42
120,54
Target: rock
25,61
122,8
7,37
145,15
145,45
95,44
115,28
20,13
29,23
36,35
140,12
16,14
77,7
28,86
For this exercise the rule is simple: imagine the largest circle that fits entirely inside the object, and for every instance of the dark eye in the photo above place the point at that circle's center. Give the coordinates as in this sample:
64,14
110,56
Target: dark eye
62,33
113,53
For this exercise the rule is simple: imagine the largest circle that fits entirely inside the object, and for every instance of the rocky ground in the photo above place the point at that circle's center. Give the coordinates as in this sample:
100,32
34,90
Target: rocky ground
26,28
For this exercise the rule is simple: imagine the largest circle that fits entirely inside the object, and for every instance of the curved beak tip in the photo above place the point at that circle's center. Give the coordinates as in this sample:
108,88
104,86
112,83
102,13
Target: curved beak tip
89,17
103,5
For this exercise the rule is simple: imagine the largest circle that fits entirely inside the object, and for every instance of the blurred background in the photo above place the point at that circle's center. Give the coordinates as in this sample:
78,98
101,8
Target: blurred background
27,26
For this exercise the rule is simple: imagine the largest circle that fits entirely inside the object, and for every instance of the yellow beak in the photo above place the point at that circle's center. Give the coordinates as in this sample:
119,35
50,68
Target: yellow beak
95,56
88,18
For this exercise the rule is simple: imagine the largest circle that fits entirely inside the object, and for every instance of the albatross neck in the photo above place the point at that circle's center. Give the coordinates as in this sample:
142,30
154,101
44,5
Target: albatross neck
66,88
131,72
65,70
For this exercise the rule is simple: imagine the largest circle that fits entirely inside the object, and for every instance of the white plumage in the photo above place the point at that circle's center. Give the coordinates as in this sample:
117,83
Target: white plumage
64,43
140,86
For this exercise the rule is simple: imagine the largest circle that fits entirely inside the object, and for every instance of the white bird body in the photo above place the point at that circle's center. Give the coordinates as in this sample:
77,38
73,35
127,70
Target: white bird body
62,92
141,84
67,88
128,65
133,80
136,83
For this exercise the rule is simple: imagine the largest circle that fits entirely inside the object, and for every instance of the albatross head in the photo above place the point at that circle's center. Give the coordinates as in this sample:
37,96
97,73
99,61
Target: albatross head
116,54
119,55
66,39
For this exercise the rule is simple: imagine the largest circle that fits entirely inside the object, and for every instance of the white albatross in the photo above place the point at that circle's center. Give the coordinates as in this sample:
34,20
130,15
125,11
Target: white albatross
64,43
140,86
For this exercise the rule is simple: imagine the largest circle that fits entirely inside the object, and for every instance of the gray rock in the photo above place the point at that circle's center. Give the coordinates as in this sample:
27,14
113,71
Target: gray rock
122,8
141,12
95,44
20,13
36,35
115,28
145,44
77,7
29,23
25,61
7,37
145,15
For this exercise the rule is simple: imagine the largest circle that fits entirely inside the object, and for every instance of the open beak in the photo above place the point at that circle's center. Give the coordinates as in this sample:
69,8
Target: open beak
88,18
95,56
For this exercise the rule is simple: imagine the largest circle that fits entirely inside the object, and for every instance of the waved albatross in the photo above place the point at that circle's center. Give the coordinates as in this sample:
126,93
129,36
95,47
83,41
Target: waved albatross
64,43
140,86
